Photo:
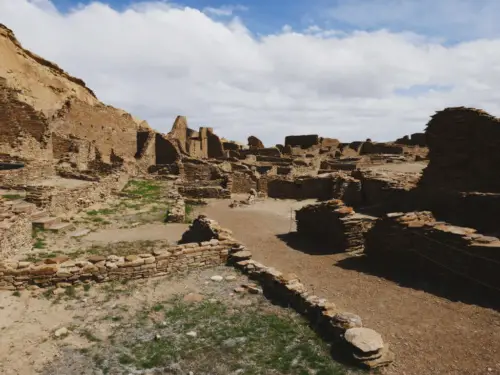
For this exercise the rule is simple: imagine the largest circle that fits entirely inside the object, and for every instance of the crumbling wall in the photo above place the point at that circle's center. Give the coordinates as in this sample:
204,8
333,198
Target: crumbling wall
380,148
300,188
335,224
415,243
166,152
303,141
463,144
215,148
32,171
243,182
146,150
15,234
255,143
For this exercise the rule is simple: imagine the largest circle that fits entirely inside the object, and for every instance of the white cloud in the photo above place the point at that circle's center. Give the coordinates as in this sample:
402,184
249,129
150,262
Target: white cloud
158,60
225,11
454,19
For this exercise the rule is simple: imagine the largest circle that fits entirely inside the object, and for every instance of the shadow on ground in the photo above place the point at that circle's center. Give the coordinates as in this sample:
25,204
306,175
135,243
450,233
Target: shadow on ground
453,288
307,245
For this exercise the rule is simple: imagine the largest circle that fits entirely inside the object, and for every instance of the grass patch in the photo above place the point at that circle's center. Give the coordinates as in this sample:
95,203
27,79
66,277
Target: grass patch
119,248
189,211
104,211
253,339
12,197
89,336
17,293
39,244
144,189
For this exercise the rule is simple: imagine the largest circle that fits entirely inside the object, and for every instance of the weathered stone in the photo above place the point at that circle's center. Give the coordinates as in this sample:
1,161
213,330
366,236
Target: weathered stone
57,260
61,332
96,259
347,320
131,258
365,339
241,255
217,278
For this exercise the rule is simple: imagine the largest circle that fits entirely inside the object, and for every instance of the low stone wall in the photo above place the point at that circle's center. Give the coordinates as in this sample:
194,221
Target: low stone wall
300,188
177,211
363,346
216,192
65,200
211,249
416,242
11,179
15,235
335,224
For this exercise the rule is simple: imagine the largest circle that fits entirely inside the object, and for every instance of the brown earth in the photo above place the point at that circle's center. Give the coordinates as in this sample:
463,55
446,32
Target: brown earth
429,334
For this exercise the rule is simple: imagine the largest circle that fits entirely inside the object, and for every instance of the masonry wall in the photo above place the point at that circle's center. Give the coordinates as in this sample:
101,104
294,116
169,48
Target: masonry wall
334,224
15,236
463,144
415,242
63,200
303,141
300,188
243,182
32,171
165,151
213,248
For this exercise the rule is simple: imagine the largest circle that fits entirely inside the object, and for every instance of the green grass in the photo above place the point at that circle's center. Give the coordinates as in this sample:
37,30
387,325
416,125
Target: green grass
12,196
252,339
189,211
143,189
17,293
39,244
104,211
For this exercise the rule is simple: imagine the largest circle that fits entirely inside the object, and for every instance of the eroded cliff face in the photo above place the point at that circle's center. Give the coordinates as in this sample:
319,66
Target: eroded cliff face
39,99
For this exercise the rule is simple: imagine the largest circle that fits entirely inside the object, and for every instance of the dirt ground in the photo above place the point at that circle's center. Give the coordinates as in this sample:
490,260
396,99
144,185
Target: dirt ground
125,329
429,334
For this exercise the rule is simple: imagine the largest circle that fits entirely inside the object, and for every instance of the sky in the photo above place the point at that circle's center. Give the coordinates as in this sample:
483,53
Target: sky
347,69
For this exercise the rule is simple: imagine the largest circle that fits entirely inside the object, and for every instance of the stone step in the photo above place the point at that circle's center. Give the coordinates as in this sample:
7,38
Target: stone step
60,227
39,214
45,222
24,207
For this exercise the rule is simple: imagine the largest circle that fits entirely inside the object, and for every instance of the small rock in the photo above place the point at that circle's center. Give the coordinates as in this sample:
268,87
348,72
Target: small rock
164,324
239,290
96,258
157,337
217,278
131,258
61,332
213,300
80,233
365,339
193,297
56,260
230,278
58,291
191,334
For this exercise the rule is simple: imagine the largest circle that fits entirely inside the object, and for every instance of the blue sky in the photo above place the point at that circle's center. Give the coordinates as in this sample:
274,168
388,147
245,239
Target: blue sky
348,69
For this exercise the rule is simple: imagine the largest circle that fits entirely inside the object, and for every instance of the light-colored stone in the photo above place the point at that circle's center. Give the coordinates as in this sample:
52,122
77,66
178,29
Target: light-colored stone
193,297
230,278
191,334
217,278
365,339
61,332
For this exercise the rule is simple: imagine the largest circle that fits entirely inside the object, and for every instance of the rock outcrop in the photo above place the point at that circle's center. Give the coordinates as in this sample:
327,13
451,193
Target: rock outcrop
255,143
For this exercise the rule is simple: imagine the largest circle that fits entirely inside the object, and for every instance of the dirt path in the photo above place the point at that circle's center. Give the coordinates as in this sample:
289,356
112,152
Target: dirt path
430,335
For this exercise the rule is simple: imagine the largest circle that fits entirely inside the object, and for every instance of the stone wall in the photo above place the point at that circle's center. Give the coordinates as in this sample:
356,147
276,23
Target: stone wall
303,141
380,148
463,144
243,182
358,345
414,242
60,201
300,188
212,251
32,171
216,192
335,224
176,212
15,234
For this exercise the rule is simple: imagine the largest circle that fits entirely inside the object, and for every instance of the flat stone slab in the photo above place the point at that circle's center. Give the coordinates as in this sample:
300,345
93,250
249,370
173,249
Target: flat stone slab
79,233
365,339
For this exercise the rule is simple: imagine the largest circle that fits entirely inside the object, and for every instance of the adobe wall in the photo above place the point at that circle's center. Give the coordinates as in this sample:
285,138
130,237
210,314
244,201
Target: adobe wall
335,224
380,148
165,150
200,192
415,242
463,144
146,150
214,144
